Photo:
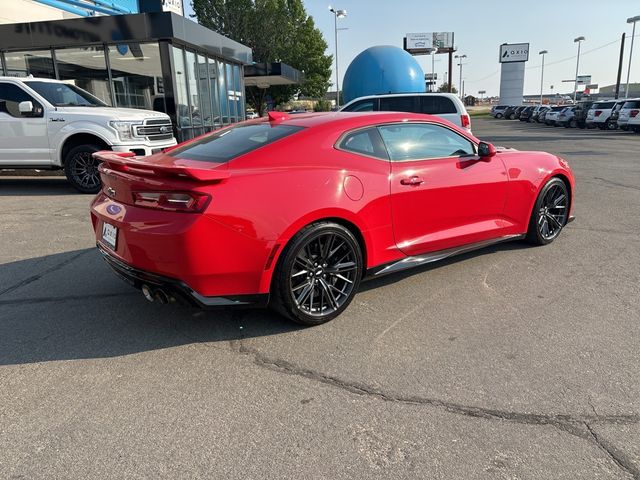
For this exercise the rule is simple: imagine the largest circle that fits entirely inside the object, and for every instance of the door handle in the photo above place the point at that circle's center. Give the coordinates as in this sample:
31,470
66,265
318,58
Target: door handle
413,181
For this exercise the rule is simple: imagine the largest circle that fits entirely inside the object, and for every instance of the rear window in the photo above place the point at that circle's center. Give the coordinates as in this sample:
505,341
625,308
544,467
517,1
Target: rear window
361,106
603,105
229,144
632,104
437,105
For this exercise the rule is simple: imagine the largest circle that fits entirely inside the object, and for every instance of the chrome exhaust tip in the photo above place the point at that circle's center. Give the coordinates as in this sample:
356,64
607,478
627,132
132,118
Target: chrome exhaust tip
148,293
161,296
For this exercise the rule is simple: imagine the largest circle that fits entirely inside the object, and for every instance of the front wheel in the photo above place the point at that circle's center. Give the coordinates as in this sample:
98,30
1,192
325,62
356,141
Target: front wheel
550,213
81,168
318,274
498,115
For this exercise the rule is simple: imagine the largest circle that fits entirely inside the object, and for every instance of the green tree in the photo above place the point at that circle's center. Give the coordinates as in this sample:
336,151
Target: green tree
445,88
276,30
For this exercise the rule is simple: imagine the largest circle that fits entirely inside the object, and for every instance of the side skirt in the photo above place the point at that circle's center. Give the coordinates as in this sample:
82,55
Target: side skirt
415,261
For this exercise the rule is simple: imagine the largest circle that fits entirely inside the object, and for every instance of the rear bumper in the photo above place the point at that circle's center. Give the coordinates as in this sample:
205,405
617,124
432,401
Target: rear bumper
145,149
177,289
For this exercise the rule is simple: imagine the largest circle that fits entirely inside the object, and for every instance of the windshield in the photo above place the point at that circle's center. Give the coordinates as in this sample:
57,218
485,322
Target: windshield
65,95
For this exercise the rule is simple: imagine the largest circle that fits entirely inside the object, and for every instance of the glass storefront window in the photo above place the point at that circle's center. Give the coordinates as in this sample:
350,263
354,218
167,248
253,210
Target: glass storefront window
215,94
37,63
231,96
205,94
222,94
183,117
137,76
194,94
86,68
237,76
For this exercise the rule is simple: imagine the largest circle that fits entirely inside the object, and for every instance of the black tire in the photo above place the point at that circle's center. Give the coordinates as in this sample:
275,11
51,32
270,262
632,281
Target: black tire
81,168
323,262
498,115
550,213
573,123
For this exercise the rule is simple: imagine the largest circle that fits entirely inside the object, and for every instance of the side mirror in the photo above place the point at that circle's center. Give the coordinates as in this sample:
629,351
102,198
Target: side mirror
25,108
486,150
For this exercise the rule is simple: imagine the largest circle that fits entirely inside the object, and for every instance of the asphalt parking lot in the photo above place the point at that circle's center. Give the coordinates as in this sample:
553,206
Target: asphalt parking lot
513,362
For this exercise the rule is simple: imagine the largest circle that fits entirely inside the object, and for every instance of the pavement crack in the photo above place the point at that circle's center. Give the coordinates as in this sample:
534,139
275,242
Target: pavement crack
47,271
572,424
618,457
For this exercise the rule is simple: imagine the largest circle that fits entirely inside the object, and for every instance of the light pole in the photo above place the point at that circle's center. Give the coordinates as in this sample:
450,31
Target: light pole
336,15
460,64
543,53
433,69
579,41
630,20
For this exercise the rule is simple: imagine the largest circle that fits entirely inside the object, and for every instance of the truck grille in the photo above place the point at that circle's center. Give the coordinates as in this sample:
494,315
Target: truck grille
155,129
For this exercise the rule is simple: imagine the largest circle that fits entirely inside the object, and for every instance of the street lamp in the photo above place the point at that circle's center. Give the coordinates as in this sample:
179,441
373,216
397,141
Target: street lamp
336,15
543,53
579,41
631,20
460,64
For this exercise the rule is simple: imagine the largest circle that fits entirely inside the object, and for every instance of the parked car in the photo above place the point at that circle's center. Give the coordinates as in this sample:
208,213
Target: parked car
634,123
566,118
309,232
444,105
525,114
599,115
518,112
629,110
497,111
251,114
552,115
538,112
580,113
50,125
510,111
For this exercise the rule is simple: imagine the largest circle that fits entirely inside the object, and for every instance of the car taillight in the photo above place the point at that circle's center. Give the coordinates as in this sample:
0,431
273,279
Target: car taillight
465,120
598,112
633,113
192,202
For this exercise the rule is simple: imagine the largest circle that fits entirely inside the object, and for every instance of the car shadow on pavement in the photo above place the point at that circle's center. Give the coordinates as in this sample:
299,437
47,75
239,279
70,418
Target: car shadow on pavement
71,306
35,186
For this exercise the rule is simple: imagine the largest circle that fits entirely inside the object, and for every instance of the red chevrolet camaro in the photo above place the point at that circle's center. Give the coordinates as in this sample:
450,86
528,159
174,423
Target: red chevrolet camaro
295,211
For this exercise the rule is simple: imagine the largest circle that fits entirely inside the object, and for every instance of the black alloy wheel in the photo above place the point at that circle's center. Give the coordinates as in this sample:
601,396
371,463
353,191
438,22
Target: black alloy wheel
81,168
318,275
550,213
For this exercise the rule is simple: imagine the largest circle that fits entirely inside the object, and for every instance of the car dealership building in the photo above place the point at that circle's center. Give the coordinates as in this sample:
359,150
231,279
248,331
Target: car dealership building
151,58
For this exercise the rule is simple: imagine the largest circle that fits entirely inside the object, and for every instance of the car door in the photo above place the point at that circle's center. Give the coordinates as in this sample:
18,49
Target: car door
442,193
23,137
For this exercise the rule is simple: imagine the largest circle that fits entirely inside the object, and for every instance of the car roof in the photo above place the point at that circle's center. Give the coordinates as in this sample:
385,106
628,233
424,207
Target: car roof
350,120
28,79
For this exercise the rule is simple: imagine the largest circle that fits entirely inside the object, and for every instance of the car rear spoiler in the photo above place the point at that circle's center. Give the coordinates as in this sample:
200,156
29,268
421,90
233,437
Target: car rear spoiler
129,162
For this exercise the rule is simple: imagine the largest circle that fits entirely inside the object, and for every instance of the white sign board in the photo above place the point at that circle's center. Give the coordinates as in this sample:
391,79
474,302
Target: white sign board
443,39
419,41
174,6
430,76
584,79
514,52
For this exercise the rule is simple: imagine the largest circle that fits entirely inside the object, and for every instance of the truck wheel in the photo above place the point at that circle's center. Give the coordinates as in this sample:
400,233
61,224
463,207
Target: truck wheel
81,168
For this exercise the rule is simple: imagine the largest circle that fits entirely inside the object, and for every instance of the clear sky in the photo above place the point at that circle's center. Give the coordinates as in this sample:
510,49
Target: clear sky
480,26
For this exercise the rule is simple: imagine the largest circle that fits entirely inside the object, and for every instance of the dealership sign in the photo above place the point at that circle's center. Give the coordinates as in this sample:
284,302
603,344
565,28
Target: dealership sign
583,79
514,52
425,43
174,6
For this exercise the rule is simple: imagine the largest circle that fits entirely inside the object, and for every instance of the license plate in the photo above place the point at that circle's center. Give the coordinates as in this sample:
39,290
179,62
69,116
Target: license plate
109,235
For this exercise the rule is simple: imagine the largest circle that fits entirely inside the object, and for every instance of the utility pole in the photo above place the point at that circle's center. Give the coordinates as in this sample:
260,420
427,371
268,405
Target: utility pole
543,53
579,41
620,66
633,34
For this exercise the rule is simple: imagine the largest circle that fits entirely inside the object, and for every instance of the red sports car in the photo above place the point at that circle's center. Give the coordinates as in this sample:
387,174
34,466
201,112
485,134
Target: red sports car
295,211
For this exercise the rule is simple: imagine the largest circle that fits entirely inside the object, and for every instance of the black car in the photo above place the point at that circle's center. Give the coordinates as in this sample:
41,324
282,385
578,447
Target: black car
518,112
510,112
525,114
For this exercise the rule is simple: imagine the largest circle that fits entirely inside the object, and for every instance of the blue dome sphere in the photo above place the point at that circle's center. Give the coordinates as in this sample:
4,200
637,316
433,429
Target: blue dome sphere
382,69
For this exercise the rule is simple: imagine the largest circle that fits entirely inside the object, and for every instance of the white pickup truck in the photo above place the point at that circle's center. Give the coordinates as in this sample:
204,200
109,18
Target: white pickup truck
48,124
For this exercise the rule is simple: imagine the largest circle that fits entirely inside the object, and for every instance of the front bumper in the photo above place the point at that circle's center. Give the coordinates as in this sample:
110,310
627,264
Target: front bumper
144,149
176,289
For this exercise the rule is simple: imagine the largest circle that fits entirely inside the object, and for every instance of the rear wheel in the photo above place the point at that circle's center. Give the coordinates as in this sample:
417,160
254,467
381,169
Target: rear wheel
498,115
573,123
318,274
81,168
550,213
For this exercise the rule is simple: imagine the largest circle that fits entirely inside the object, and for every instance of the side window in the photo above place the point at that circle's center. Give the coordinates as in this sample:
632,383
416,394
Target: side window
417,141
434,105
364,142
361,106
399,104
10,97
